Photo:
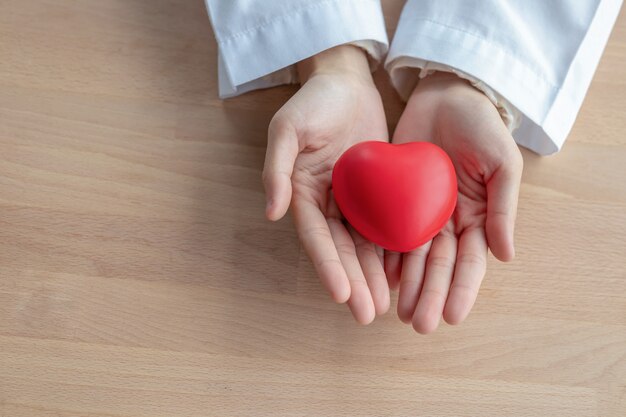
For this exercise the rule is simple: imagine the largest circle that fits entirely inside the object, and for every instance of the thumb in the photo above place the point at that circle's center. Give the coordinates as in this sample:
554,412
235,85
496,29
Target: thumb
502,195
280,157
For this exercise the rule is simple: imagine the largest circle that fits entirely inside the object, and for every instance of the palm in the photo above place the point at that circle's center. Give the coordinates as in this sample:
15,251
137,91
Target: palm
332,115
325,117
443,276
464,144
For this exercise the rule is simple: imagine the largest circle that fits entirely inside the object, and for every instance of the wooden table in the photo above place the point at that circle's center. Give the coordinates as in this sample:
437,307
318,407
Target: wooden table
138,276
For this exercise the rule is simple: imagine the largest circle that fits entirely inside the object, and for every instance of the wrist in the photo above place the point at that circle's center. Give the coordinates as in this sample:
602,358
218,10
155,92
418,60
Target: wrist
442,88
344,60
444,81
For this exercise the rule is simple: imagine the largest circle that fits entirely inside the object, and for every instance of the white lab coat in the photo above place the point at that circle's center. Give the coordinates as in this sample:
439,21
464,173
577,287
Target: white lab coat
533,58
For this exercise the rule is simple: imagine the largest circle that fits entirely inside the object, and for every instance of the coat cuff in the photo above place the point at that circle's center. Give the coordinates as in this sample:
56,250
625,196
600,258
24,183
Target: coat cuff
264,56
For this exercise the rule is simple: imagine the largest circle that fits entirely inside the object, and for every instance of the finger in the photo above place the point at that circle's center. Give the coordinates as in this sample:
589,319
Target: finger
373,271
280,157
437,278
360,301
471,265
412,277
502,195
393,268
380,252
318,244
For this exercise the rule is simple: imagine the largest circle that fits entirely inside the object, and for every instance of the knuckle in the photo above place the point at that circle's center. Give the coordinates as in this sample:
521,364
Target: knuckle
376,277
419,253
434,293
345,249
317,231
365,248
327,263
469,291
442,262
472,258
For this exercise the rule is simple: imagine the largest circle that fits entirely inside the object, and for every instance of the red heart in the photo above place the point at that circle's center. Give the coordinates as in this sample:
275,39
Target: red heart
397,196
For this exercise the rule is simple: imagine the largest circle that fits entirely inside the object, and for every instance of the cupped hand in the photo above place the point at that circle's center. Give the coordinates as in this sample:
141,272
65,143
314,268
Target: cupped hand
336,107
442,277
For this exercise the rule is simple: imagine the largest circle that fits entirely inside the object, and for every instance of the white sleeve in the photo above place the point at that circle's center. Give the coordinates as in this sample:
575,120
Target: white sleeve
259,41
536,56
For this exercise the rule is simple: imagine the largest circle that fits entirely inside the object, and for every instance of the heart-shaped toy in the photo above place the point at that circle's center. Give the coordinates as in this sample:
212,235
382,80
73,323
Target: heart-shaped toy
397,196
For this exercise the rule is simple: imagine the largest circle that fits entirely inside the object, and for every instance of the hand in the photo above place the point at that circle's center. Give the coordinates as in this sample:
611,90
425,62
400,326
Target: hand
336,107
442,277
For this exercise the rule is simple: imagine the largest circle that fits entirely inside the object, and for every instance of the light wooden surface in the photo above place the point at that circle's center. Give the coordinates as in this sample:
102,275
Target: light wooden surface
139,278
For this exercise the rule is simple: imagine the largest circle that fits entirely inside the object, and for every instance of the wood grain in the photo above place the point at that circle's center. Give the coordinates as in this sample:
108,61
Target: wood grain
138,276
